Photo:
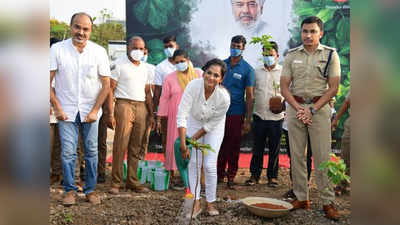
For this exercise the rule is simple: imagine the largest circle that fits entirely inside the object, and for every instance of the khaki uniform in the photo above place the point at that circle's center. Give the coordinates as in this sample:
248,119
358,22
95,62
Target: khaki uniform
307,81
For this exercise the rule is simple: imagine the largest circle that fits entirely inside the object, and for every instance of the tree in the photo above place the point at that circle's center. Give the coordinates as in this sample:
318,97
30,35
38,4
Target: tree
101,33
59,30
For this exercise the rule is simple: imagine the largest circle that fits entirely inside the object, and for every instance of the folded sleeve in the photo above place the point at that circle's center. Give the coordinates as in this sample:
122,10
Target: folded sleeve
53,57
103,64
158,76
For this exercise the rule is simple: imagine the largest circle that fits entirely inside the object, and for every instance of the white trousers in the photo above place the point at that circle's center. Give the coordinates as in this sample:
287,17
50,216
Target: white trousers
209,162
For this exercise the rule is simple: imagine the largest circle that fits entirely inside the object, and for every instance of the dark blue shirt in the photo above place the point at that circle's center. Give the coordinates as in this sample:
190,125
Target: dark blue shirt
236,80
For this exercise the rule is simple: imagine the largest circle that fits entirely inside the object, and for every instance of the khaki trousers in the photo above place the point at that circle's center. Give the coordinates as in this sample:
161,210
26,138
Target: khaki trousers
146,137
130,117
320,138
346,145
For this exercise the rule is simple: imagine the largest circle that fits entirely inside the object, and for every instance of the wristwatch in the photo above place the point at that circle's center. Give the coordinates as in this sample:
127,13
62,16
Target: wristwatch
312,110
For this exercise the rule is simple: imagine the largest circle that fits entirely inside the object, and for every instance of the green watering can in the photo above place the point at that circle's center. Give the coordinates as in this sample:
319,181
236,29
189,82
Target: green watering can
180,163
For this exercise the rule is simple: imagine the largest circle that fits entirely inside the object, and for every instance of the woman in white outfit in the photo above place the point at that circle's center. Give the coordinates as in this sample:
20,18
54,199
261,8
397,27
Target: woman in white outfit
201,116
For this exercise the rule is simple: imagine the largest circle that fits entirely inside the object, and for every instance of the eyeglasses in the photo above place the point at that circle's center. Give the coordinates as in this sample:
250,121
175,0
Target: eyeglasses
215,75
252,4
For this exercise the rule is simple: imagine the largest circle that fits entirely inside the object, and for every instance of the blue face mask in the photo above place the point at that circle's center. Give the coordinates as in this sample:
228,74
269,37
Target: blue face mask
181,66
169,52
144,58
236,52
269,60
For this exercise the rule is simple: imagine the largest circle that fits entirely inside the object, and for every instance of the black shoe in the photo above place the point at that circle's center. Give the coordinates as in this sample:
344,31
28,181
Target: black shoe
101,179
252,181
289,195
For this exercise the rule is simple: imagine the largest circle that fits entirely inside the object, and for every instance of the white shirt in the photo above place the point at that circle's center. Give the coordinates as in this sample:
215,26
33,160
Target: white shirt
162,70
131,79
264,90
209,112
77,79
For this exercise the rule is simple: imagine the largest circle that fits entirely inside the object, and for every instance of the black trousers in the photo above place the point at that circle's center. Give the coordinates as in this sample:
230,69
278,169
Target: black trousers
266,132
309,154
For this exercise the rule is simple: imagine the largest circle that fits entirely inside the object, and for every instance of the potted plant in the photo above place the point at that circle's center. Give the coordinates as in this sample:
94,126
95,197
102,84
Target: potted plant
275,102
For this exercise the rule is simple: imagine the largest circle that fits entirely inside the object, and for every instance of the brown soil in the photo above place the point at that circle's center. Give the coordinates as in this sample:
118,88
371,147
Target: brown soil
268,206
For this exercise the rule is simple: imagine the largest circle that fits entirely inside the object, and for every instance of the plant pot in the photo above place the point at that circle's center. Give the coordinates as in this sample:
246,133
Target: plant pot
275,104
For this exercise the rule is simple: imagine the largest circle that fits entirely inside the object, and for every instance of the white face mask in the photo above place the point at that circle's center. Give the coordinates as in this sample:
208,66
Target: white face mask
144,59
169,52
137,54
181,66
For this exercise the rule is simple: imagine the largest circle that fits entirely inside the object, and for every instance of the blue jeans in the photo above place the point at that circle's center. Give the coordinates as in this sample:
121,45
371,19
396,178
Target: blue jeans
69,133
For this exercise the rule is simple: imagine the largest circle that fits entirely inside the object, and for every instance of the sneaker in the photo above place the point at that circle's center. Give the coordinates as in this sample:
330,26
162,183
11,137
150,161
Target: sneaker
93,198
177,187
69,198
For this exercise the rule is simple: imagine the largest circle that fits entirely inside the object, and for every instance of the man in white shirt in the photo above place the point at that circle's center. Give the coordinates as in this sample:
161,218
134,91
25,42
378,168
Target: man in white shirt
81,71
164,68
130,84
267,121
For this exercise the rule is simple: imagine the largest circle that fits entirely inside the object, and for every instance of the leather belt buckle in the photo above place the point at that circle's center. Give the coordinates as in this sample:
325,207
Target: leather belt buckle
308,100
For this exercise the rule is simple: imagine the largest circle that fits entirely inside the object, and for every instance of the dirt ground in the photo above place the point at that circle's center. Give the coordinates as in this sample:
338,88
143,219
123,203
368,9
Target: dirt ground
161,208
164,207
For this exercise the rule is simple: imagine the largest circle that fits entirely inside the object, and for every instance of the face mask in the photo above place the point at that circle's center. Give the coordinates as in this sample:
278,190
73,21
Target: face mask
137,54
269,60
181,66
236,52
144,58
169,52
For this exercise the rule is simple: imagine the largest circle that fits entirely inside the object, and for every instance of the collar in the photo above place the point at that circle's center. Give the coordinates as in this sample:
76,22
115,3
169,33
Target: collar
301,48
74,47
277,67
228,61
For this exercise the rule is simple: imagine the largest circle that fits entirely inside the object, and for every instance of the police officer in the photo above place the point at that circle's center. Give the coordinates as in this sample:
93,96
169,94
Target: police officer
311,88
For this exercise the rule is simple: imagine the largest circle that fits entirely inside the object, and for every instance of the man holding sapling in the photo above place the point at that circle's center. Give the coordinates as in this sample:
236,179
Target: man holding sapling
268,115
312,71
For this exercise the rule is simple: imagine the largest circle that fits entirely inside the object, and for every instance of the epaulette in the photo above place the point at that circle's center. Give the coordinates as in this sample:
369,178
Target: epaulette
327,47
294,49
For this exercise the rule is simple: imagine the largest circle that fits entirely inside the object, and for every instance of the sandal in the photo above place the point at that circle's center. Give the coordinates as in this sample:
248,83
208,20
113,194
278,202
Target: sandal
212,211
251,182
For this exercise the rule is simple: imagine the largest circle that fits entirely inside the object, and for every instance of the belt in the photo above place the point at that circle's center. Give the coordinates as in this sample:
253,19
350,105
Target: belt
129,100
302,100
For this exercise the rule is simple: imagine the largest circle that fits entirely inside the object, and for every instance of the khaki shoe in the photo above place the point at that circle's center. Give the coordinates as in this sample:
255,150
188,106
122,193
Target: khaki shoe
331,212
301,204
69,198
93,198
141,189
113,190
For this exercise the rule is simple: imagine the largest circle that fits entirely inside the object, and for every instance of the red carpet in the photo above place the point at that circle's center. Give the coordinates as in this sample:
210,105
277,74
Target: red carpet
244,159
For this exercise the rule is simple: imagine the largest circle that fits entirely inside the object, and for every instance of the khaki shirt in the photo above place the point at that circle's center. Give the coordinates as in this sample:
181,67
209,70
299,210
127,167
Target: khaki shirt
306,70
264,90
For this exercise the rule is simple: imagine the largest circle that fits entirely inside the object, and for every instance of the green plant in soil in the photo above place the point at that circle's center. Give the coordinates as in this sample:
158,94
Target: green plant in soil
336,170
68,218
203,147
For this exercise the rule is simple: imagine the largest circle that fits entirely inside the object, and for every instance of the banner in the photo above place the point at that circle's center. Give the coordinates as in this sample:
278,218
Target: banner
204,28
